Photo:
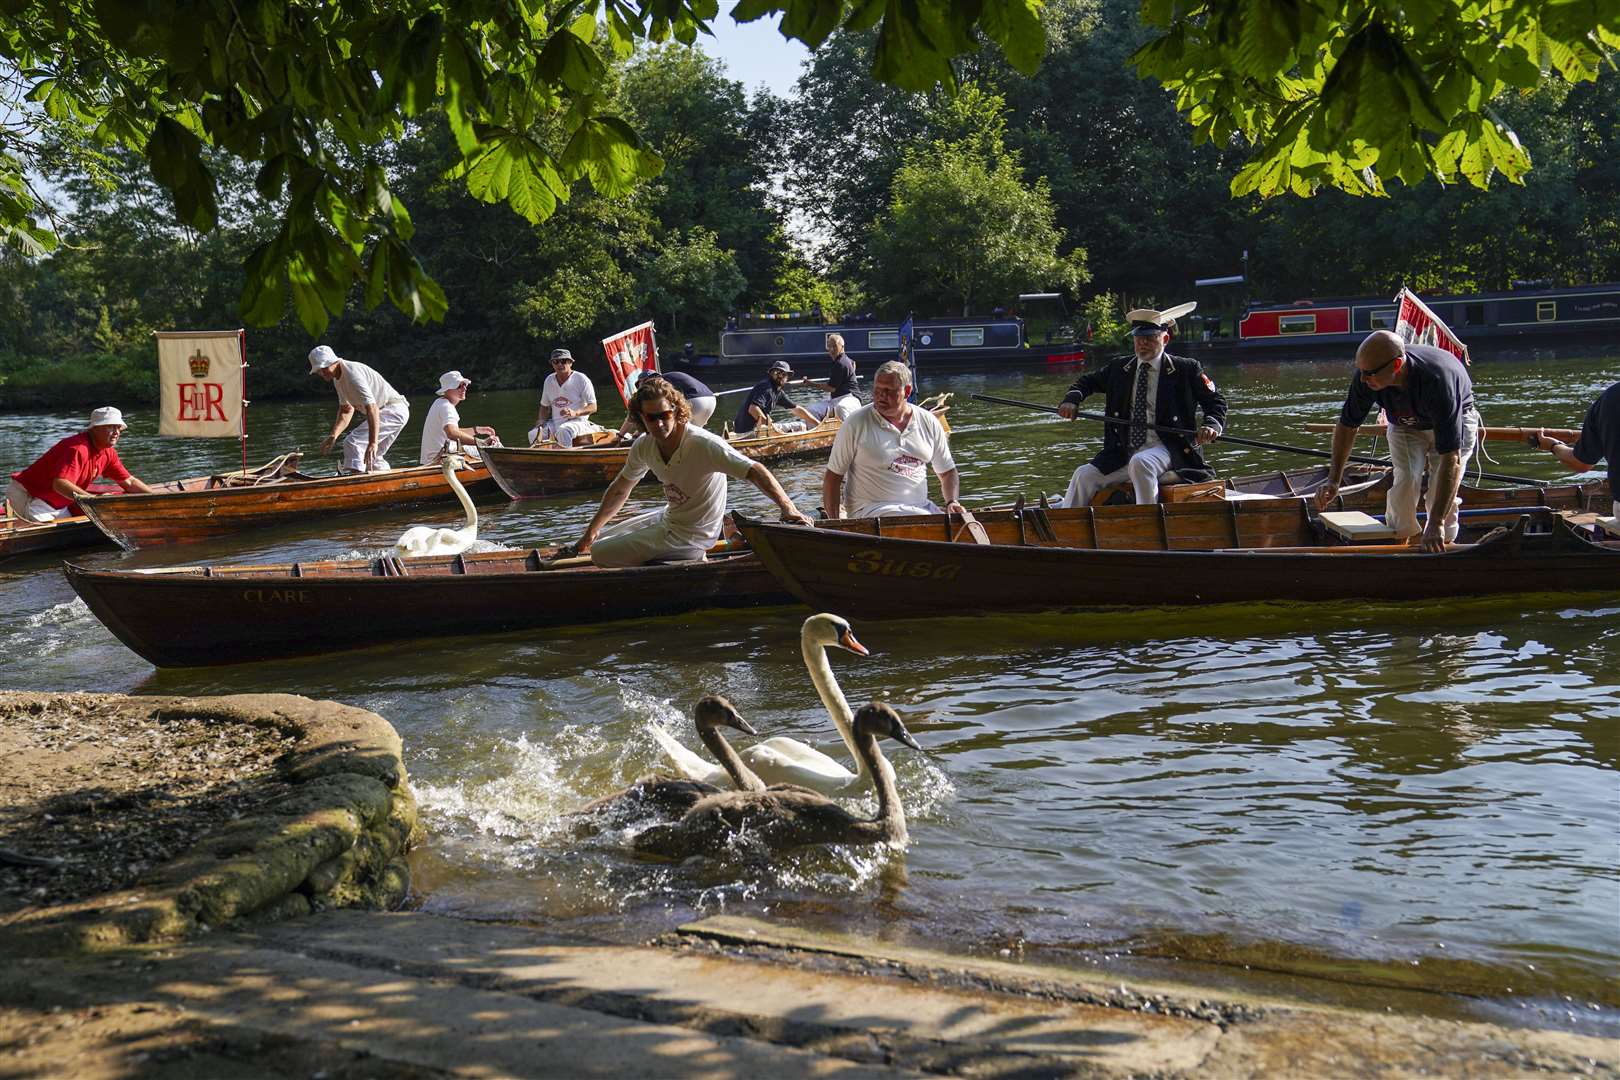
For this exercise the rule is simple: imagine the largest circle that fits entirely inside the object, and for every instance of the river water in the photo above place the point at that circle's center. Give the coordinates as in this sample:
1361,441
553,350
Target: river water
1403,803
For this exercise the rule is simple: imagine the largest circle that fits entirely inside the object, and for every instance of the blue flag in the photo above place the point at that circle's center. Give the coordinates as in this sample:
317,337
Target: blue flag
906,350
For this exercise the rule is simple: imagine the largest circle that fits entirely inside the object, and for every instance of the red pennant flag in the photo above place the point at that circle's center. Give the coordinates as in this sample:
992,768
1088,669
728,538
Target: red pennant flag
1415,324
630,353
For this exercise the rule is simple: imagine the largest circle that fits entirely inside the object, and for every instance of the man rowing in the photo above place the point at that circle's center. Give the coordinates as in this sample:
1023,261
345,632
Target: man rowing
362,390
693,465
1428,400
885,450
766,395
1599,441
1149,388
52,486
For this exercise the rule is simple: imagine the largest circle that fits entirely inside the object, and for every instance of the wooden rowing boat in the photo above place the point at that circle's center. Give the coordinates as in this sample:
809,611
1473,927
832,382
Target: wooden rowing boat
1196,553
532,472
19,537
203,615
220,505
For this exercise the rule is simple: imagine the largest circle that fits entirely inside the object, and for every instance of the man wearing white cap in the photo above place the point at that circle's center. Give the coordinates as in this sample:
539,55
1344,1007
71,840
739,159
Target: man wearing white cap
1144,391
51,487
443,429
360,389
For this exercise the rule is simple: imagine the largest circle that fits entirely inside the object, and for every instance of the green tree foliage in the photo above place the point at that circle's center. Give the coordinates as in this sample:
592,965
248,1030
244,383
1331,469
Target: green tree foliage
693,274
714,144
1351,95
312,92
962,226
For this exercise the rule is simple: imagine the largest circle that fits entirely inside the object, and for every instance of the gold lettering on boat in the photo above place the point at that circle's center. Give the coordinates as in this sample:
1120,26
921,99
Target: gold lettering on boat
872,562
276,596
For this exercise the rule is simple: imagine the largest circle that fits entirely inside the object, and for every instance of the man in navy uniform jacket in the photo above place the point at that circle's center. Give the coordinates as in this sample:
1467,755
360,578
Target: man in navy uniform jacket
1149,388
1599,441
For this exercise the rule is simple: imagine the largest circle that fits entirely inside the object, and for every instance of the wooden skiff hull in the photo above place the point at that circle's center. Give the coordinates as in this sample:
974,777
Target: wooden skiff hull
867,576
27,538
528,473
195,616
181,517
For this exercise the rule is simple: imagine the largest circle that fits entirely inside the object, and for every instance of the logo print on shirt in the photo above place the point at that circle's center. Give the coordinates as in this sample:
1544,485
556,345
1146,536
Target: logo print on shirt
907,466
675,495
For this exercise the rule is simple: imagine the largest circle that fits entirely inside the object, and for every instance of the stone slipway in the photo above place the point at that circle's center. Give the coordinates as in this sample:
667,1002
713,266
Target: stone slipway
374,994
333,834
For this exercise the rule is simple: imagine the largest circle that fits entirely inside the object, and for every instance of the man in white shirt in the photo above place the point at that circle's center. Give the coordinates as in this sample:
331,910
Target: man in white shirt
1149,389
360,389
693,465
566,403
443,430
885,450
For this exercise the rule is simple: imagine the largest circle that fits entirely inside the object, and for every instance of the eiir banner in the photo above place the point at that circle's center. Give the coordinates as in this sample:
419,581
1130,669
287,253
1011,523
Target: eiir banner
200,379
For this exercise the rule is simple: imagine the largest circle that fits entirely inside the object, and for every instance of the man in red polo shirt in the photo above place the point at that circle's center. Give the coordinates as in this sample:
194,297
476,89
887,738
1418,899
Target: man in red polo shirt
51,487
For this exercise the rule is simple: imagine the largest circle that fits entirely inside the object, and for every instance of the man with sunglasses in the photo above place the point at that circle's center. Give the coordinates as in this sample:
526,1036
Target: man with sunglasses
567,400
1428,400
693,465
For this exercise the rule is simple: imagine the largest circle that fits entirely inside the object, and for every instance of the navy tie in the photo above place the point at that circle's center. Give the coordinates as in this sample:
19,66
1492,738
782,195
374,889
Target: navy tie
1139,402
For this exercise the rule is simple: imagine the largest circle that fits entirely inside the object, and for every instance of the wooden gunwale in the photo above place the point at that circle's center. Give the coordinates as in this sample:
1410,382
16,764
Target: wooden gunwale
206,615
188,515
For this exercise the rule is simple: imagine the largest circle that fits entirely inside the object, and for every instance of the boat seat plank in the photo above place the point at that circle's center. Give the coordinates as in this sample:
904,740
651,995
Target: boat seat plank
1355,526
1610,525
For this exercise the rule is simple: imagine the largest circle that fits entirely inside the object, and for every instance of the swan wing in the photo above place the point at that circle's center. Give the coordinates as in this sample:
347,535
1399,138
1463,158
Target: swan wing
789,761
686,762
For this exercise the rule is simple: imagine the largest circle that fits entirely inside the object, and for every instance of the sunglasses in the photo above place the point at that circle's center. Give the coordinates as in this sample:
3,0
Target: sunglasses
1366,372
667,414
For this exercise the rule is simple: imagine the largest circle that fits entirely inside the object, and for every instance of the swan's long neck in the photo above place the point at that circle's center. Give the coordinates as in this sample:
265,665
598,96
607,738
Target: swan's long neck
741,775
891,815
461,493
832,696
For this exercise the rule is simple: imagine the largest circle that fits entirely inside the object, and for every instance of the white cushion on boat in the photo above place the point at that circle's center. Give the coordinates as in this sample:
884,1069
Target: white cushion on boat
1355,525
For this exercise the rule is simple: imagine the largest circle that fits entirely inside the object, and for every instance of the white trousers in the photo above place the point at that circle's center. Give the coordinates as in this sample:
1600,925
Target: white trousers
842,406
640,541
28,508
391,420
1412,453
702,409
563,432
1143,470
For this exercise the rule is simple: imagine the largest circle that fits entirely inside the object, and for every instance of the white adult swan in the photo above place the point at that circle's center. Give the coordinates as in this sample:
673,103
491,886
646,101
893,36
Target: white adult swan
432,540
785,816
782,760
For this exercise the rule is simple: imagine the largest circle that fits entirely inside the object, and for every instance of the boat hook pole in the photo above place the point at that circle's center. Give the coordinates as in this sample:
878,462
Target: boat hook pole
1184,432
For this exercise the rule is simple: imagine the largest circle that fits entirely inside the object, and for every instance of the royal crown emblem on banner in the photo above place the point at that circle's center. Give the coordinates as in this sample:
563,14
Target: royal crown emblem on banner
199,365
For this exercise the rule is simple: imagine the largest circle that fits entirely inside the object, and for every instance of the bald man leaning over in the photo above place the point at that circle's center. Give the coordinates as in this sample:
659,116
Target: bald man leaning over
1428,400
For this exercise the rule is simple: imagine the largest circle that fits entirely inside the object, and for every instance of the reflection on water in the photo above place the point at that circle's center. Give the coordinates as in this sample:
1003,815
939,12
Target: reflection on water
1386,795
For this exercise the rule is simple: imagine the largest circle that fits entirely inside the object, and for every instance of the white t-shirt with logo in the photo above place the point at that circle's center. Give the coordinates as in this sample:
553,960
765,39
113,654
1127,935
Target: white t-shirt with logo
885,470
433,436
694,481
361,386
576,393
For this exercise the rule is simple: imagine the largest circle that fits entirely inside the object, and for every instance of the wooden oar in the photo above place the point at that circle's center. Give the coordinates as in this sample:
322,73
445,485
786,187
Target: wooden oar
1256,443
1495,434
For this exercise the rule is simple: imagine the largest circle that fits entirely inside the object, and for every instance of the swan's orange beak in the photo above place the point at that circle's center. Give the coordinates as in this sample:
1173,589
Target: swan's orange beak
846,639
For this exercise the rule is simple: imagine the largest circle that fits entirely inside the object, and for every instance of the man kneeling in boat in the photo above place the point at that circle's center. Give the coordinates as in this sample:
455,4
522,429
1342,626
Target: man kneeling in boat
1428,398
51,487
360,389
693,465
1150,388
885,449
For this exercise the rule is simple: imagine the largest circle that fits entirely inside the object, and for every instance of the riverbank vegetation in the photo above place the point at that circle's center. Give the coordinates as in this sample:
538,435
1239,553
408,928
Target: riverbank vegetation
849,193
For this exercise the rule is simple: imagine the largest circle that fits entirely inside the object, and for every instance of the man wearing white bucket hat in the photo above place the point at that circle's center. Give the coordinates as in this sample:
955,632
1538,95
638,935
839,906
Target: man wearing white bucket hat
51,487
443,429
360,389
